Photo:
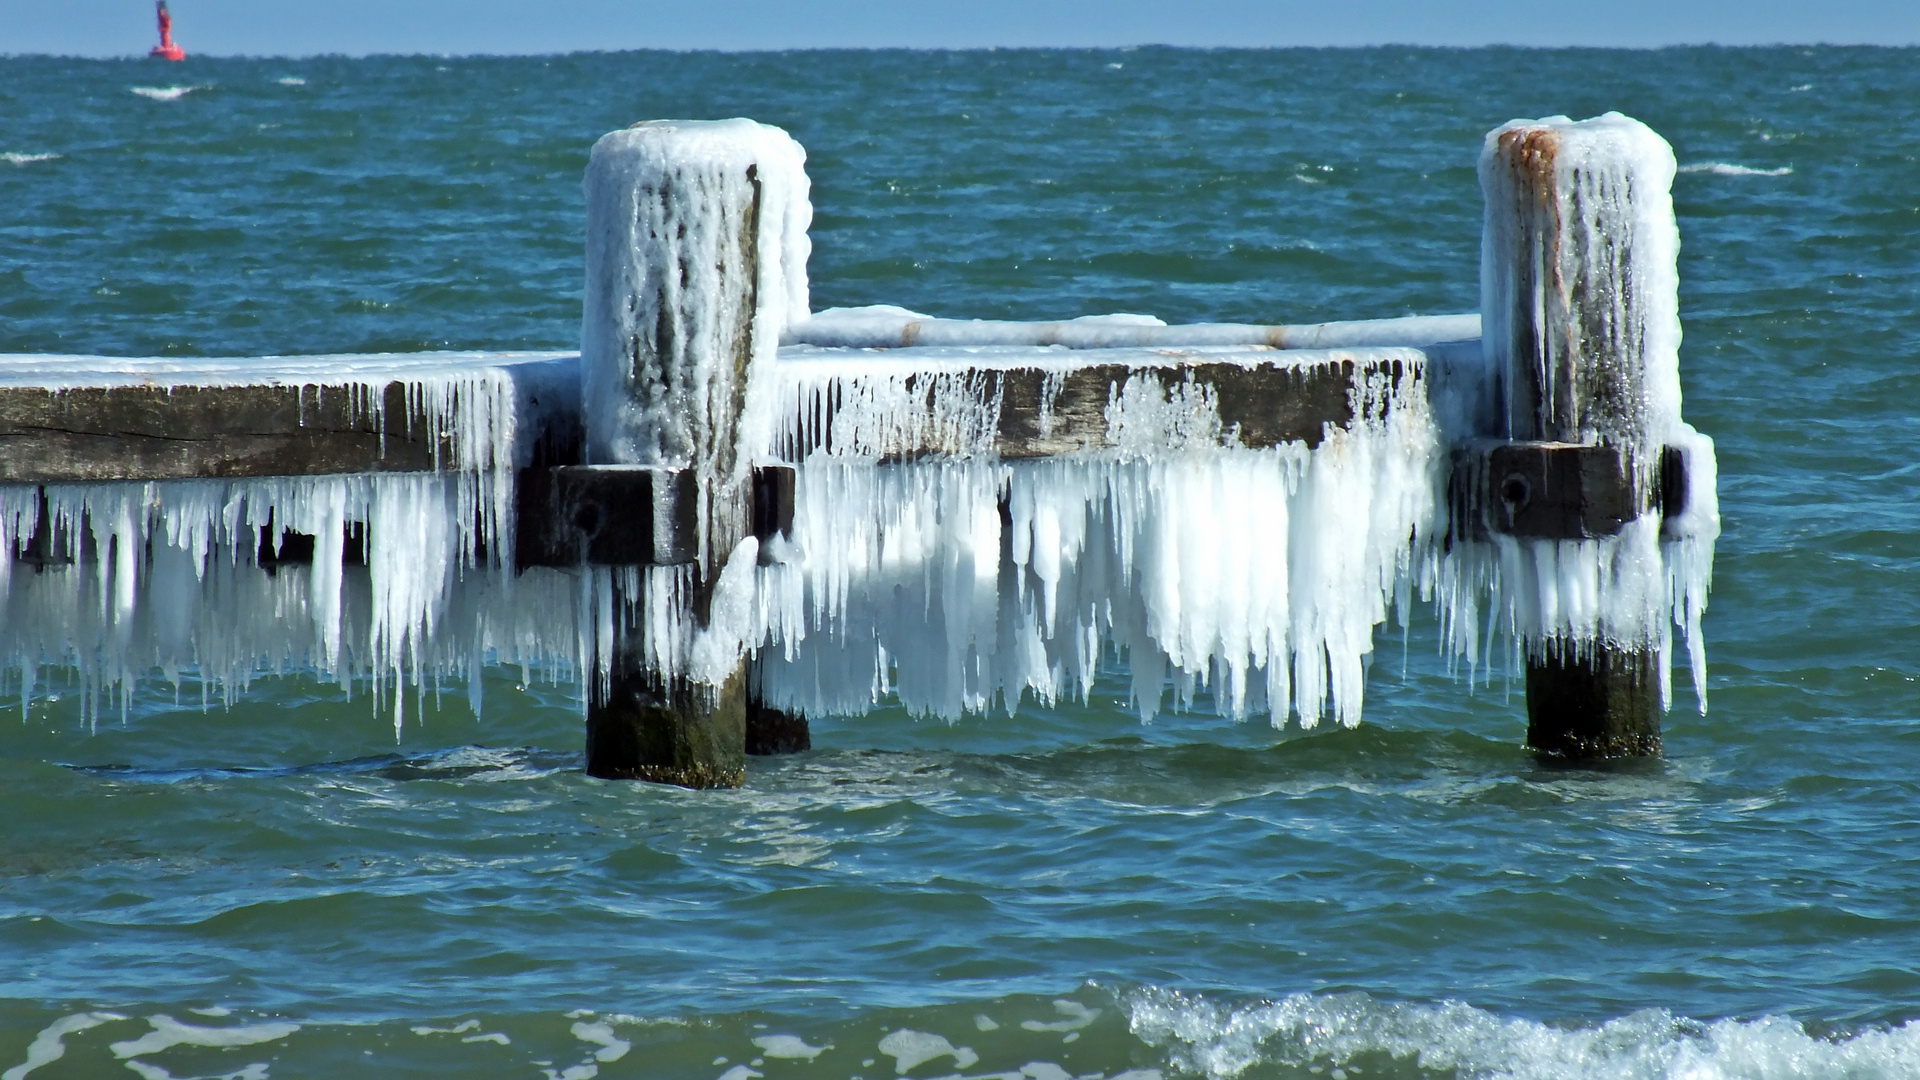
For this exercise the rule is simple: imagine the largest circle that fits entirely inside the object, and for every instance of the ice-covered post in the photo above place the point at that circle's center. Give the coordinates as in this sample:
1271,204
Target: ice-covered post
1579,297
695,261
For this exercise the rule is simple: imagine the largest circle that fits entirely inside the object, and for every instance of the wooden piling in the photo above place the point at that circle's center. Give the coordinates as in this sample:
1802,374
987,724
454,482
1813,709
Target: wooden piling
1567,319
667,731
668,345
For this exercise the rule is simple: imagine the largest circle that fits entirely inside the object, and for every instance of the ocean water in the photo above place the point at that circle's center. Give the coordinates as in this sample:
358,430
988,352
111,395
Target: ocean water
279,889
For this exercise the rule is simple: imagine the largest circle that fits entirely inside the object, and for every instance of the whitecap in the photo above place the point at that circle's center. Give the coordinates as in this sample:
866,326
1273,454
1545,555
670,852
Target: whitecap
14,158
165,93
1721,168
1451,1038
291,80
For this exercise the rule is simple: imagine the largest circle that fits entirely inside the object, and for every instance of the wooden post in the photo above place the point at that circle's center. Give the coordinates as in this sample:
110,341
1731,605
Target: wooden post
1581,320
674,328
773,731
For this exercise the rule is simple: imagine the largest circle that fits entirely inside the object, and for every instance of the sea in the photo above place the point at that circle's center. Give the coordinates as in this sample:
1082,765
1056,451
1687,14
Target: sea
280,888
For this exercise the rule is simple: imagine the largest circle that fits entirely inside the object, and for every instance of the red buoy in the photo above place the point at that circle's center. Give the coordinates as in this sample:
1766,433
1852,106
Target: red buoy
166,50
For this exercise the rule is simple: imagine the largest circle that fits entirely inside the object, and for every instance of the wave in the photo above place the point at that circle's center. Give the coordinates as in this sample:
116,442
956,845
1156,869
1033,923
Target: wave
165,93
1146,1033
576,1044
291,80
12,158
478,763
1354,1033
1721,168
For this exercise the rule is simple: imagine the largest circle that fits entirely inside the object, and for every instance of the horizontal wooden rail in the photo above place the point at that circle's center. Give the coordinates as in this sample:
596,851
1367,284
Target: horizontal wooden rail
192,432
1039,407
162,430
69,419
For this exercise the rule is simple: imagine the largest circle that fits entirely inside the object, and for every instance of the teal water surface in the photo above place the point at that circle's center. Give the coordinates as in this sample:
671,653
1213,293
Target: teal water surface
281,889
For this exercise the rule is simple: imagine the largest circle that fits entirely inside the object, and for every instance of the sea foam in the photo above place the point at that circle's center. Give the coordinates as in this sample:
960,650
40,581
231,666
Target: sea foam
1316,1032
1721,168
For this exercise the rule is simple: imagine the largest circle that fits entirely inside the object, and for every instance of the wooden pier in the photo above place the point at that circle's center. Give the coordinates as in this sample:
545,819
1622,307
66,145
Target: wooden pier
1554,440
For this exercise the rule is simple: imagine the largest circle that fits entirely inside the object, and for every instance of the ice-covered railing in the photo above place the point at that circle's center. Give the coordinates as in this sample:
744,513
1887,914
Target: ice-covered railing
158,489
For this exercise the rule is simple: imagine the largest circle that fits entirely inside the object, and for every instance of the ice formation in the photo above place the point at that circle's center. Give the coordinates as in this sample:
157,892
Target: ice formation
921,562
883,326
1601,257
696,243
116,580
962,581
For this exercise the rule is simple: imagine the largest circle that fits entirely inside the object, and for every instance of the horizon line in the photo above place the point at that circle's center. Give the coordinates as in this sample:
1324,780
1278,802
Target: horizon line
752,51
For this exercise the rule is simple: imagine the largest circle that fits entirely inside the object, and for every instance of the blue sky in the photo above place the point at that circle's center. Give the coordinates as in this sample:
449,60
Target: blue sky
299,27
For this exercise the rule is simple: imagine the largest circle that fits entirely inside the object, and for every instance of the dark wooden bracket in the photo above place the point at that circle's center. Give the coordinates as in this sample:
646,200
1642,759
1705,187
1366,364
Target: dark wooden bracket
1554,490
628,515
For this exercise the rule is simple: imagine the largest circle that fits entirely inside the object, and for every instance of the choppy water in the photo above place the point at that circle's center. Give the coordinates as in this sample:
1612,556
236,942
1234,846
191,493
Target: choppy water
280,888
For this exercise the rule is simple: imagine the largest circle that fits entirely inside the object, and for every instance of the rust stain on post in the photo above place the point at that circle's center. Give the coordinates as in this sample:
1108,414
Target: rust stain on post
1532,153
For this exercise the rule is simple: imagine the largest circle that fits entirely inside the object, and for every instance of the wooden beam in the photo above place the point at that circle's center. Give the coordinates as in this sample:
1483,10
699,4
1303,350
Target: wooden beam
1044,409
1263,406
190,432
669,345
73,419
156,431
1555,490
608,515
628,515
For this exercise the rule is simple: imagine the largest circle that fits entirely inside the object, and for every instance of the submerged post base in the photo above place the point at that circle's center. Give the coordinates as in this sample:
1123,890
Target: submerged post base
1603,704
776,731
669,735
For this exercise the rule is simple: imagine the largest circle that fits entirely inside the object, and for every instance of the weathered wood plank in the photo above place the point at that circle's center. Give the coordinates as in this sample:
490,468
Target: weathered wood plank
179,432
1264,406
1046,408
188,432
